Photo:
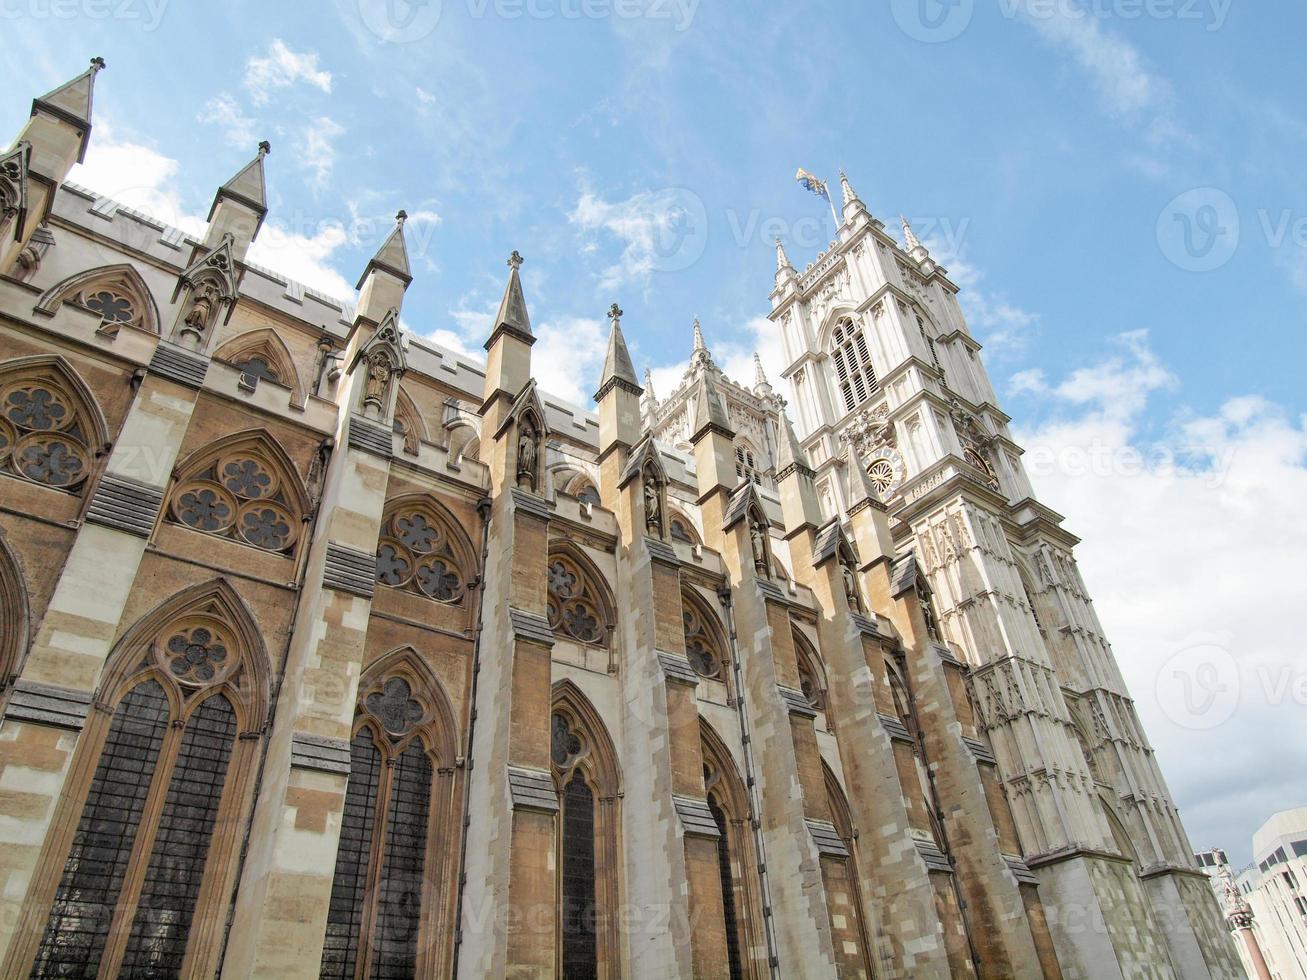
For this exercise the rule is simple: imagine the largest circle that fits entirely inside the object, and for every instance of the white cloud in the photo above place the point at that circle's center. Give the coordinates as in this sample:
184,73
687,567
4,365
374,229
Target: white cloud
135,175
658,230
568,357
280,68
425,97
1116,68
306,258
238,128
1000,325
1191,541
318,156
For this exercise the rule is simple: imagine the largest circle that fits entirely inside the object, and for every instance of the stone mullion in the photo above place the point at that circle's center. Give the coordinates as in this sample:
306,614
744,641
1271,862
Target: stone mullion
376,862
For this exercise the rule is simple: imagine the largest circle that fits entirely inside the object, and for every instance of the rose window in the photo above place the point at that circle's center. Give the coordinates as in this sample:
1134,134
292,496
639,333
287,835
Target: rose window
42,439
882,475
196,654
395,706
572,606
239,496
415,553
701,647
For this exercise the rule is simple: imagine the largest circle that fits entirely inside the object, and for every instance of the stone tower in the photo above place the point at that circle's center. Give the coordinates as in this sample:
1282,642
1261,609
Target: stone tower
889,386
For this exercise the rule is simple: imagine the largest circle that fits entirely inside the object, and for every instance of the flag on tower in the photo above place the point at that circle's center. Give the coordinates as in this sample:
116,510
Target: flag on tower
813,183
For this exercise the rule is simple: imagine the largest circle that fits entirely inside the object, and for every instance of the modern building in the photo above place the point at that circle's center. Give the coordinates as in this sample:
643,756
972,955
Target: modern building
329,652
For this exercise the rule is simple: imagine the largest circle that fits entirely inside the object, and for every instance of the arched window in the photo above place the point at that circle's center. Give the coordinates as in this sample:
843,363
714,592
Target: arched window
420,551
261,355
165,804
116,293
904,709
930,344
578,605
746,463
50,427
244,488
586,776
812,674
728,802
14,636
681,528
408,422
704,644
843,889
392,864
855,377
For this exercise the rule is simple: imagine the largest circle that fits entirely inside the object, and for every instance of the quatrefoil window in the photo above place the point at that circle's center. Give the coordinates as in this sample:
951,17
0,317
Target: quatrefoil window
113,307
395,707
196,655
416,553
42,435
239,495
565,745
573,606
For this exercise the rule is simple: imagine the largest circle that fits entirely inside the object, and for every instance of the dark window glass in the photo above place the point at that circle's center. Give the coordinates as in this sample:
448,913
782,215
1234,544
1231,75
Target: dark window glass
399,908
172,881
345,914
580,960
93,874
728,892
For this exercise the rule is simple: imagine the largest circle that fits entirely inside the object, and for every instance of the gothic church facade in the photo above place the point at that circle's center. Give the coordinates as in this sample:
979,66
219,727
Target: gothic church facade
325,652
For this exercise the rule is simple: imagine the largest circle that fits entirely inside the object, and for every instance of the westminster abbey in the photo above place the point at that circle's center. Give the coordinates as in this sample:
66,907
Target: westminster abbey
327,652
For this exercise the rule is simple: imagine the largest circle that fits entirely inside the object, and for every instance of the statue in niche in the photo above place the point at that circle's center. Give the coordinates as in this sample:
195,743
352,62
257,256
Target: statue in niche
201,311
758,539
851,592
526,455
379,371
653,508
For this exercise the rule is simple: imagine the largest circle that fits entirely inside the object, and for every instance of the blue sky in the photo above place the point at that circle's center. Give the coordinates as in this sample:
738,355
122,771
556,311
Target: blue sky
1053,153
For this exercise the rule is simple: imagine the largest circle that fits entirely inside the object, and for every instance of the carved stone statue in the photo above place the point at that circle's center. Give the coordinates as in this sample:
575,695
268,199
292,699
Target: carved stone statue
758,539
851,592
653,509
526,456
201,311
378,377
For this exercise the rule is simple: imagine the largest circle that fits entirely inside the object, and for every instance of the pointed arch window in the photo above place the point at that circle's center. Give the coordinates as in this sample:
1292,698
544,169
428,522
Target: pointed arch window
166,802
116,293
812,676
49,434
703,642
855,377
575,605
746,464
390,871
585,773
244,490
681,528
420,552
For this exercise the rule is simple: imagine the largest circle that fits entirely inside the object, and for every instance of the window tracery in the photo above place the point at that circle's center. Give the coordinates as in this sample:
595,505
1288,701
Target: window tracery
419,552
116,293
243,492
46,430
574,607
169,769
703,647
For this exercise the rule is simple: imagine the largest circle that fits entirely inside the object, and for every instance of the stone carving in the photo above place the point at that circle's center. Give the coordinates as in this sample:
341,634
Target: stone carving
653,505
758,542
528,451
201,312
378,380
851,591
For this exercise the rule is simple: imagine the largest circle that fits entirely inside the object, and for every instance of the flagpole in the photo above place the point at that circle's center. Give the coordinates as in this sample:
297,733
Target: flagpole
831,201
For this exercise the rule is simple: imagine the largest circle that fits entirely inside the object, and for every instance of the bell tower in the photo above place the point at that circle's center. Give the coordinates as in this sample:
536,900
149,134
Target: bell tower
887,377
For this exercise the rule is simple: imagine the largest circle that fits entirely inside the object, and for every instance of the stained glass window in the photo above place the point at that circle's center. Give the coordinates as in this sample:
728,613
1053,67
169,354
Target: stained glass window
578,914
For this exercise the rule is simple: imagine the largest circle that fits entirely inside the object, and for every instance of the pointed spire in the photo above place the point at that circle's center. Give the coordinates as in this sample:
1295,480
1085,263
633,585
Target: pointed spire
782,260
790,456
247,187
707,411
71,102
698,335
512,316
861,489
618,369
700,356
912,244
909,236
392,257
759,377
849,196
648,385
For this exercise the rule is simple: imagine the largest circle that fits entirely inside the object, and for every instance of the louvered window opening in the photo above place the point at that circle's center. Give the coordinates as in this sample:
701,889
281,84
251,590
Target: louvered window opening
855,375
